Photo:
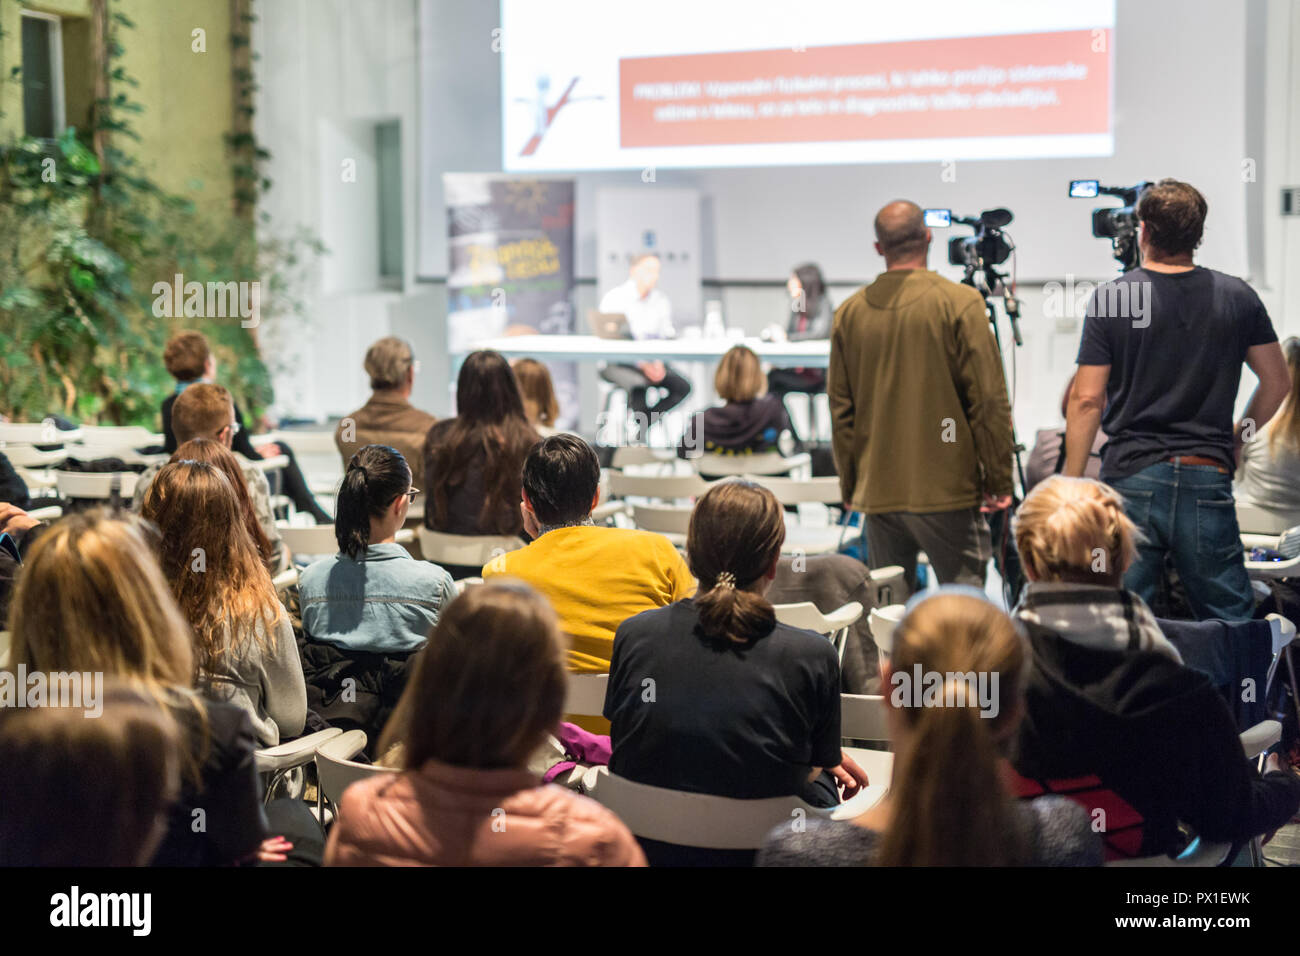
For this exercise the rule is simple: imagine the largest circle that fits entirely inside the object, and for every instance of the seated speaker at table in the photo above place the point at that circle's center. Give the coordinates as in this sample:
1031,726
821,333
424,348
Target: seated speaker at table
649,316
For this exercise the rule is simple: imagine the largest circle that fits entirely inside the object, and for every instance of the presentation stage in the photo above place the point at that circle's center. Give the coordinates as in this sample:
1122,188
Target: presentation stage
681,83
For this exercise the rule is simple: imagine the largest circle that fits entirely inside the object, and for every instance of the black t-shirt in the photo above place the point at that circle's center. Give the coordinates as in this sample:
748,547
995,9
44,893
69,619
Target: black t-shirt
1175,343
743,721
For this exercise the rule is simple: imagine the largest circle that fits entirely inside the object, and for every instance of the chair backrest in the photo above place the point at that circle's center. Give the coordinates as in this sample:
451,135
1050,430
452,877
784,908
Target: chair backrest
697,819
309,539
105,438
96,485
883,621
797,491
335,774
888,584
586,695
630,456
472,550
862,717
806,616
758,463
36,433
23,455
1255,520
667,487
665,519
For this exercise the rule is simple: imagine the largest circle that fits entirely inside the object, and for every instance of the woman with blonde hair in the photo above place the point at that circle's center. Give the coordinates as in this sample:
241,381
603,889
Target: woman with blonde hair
541,406
751,421
92,599
488,688
245,652
1269,476
1108,696
747,707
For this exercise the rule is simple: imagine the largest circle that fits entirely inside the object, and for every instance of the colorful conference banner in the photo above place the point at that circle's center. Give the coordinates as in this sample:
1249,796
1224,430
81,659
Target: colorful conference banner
510,268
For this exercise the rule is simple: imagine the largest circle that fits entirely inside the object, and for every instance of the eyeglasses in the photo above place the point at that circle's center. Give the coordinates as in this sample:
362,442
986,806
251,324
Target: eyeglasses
412,493
234,429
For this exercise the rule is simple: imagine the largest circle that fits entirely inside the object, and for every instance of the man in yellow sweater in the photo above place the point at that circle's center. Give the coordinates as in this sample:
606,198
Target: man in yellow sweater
595,577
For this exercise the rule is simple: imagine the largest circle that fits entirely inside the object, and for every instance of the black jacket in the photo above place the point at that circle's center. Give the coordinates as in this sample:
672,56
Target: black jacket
737,428
1157,733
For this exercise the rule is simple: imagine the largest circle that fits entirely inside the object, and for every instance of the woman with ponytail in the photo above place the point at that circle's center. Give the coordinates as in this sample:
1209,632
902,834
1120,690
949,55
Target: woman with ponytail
712,695
373,596
954,684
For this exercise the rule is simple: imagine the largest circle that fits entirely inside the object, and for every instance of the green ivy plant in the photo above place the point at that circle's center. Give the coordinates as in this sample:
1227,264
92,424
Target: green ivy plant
83,238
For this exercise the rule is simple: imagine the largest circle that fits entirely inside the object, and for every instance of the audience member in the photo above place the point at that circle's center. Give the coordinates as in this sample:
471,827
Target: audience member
189,360
13,490
388,417
1269,476
79,790
541,407
595,577
473,461
750,422
206,411
1108,695
810,318
373,596
214,453
948,802
92,600
1159,367
743,706
920,420
1047,457
487,690
244,645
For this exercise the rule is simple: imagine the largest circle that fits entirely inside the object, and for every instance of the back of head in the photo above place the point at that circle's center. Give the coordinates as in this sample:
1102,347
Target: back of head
740,376
212,452
561,478
732,542
186,356
87,791
901,232
489,685
201,411
540,404
949,804
375,476
91,597
487,391
1074,530
388,362
1173,214
209,560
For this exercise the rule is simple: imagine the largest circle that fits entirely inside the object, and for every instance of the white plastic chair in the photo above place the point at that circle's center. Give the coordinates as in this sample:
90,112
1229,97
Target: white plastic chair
279,761
672,521
467,550
336,770
96,485
1288,545
834,624
661,487
763,463
1253,520
710,822
585,696
36,433
47,514
863,717
23,455
883,621
318,539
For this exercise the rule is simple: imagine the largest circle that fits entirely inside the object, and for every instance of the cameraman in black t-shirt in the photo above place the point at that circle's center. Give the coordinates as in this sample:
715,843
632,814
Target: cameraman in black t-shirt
1159,370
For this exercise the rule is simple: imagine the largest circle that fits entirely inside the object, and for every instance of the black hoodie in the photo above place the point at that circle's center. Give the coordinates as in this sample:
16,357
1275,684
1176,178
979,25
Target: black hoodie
1157,733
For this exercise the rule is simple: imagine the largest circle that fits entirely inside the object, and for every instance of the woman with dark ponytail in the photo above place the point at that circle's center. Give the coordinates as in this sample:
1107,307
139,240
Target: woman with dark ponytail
372,595
712,695
955,684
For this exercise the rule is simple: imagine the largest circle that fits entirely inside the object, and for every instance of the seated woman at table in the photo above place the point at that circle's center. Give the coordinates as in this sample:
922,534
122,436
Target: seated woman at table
810,318
750,422
541,406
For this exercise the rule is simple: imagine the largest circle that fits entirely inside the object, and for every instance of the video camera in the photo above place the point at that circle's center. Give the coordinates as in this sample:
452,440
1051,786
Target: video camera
1119,225
988,247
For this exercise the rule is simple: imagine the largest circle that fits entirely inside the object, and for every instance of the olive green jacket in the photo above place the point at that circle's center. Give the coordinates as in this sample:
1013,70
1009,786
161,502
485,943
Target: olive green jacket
920,416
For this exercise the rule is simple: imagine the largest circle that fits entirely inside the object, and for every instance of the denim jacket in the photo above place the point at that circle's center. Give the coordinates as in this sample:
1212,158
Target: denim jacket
384,603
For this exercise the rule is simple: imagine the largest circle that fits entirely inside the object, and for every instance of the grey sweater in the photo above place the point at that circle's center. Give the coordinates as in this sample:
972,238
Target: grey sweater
1058,829
264,678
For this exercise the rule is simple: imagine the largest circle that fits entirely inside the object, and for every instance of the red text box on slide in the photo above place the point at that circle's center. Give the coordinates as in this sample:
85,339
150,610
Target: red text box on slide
1028,84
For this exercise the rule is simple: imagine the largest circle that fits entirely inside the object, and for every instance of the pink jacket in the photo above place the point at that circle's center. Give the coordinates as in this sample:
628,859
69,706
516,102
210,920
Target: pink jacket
441,815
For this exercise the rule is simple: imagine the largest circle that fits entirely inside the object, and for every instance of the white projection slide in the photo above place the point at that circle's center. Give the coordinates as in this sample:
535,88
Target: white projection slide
612,84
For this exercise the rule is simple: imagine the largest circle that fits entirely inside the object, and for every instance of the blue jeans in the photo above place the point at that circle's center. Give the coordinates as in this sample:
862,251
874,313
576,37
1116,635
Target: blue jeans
1187,511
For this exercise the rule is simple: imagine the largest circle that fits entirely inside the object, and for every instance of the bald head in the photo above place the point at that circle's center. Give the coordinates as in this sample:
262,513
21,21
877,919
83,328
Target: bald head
901,235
